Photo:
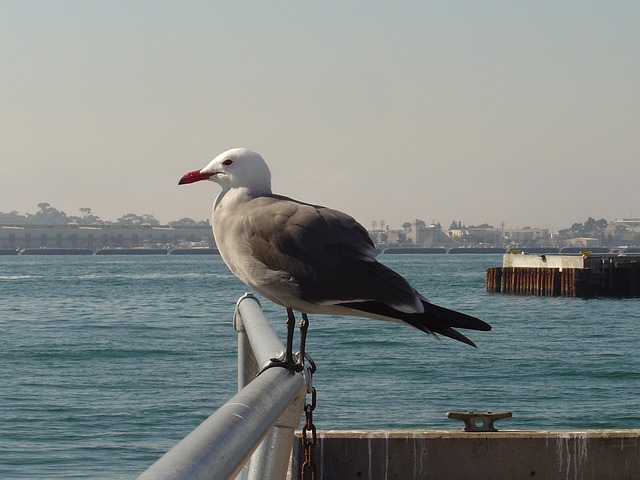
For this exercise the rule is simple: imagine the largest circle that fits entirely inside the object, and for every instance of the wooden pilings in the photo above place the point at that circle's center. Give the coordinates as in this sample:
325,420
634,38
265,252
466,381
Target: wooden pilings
576,282
609,279
524,281
494,279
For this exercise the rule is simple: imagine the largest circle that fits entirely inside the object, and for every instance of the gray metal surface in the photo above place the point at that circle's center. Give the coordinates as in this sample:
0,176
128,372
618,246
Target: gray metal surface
265,344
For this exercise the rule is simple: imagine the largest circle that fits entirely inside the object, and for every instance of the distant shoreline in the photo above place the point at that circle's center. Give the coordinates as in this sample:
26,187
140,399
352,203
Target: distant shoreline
110,251
384,251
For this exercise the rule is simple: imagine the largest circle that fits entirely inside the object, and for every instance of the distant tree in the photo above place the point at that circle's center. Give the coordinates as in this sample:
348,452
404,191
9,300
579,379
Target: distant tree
406,226
594,228
12,218
189,222
148,218
482,225
183,222
577,229
129,219
602,224
88,218
590,228
48,216
133,219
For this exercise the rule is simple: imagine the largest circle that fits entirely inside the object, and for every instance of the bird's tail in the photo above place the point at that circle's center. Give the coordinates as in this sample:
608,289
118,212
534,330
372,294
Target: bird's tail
437,319
434,320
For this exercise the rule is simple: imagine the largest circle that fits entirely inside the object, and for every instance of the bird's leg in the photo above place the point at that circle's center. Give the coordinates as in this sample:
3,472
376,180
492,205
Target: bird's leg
304,326
291,325
288,360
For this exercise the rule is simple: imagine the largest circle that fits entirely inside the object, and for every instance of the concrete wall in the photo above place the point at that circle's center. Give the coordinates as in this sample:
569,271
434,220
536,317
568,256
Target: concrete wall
543,261
446,454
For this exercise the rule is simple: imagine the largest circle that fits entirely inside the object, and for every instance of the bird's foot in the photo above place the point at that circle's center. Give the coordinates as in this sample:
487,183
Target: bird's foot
288,359
294,363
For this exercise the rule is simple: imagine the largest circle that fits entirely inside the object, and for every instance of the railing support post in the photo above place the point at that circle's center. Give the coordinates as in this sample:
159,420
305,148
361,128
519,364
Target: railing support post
247,363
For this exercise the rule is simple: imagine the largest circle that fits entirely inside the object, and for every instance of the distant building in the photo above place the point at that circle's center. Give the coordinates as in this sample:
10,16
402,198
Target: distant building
583,242
497,236
477,235
428,235
388,237
395,237
623,232
104,236
526,235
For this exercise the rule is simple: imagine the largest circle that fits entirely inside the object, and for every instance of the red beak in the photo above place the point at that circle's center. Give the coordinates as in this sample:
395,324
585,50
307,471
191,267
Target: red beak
195,176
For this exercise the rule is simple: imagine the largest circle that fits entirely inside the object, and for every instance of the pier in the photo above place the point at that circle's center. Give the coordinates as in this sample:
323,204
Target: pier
578,275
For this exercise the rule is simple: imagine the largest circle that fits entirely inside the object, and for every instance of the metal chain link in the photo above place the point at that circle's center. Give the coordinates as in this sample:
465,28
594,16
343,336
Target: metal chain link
309,434
309,438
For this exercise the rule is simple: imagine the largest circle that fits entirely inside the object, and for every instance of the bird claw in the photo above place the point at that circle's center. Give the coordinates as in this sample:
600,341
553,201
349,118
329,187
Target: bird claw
295,363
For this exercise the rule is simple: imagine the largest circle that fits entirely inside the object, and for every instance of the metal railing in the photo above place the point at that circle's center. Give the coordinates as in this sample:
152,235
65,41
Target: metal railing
251,436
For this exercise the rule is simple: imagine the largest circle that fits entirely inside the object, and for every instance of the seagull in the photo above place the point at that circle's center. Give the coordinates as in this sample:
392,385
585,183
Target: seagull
309,258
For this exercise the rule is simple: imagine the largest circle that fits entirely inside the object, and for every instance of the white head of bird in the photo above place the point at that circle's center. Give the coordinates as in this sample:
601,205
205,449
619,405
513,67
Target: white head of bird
235,168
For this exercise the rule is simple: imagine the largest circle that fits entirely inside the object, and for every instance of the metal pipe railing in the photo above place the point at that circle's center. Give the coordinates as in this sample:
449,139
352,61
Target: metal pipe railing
249,320
267,408
257,345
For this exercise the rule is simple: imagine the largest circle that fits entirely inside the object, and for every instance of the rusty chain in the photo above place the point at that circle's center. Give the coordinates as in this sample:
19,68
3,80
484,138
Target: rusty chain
309,434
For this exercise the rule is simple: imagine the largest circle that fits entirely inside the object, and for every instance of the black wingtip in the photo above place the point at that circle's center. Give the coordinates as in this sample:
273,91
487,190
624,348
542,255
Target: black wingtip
451,333
443,321
455,319
446,331
434,319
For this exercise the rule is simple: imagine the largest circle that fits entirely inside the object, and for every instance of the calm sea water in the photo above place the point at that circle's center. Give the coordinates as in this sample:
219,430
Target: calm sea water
107,362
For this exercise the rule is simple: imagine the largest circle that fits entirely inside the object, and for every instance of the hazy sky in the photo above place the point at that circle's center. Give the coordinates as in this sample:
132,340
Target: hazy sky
522,112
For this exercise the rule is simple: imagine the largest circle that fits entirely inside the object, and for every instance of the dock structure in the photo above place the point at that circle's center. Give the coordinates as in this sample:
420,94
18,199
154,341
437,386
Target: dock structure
434,454
579,275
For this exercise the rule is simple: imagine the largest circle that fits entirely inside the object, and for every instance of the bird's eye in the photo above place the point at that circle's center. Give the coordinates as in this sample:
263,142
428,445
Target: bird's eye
228,161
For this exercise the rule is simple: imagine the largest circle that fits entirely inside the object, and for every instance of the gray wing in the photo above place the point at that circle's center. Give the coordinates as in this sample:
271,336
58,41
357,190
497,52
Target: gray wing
329,254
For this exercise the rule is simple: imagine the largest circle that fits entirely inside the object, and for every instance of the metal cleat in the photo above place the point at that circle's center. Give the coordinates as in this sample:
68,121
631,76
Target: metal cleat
479,422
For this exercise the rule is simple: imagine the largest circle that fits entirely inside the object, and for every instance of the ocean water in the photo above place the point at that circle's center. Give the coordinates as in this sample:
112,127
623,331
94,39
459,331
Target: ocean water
107,362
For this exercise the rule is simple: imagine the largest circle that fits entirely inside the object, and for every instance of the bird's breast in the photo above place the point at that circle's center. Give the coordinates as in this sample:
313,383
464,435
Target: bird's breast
232,233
